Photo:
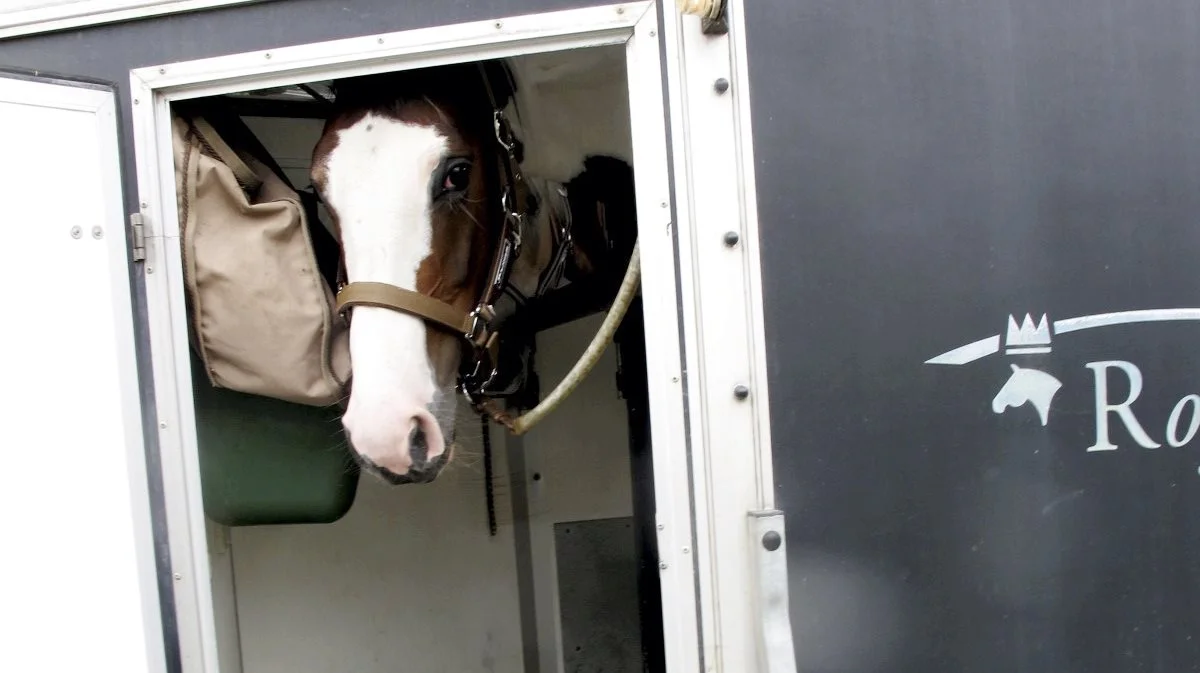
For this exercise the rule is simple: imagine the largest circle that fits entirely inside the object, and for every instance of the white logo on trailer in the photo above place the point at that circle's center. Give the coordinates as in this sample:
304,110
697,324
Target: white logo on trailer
1037,388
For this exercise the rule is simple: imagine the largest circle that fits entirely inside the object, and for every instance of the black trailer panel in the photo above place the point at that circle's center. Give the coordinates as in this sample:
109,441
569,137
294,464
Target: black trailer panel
925,170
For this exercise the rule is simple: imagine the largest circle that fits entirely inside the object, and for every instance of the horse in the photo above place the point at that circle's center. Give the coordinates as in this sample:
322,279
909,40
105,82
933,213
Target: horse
448,188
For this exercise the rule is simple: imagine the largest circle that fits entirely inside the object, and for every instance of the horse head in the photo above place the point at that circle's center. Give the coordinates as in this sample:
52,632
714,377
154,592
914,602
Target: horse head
415,177
1026,385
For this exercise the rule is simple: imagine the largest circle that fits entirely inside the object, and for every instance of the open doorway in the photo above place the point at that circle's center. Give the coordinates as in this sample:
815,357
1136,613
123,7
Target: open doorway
537,554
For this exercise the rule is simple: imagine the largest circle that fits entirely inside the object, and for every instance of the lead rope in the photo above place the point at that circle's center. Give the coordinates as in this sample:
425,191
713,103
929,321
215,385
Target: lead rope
519,425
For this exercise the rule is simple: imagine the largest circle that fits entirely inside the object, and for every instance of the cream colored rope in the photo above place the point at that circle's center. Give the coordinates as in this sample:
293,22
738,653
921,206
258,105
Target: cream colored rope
586,362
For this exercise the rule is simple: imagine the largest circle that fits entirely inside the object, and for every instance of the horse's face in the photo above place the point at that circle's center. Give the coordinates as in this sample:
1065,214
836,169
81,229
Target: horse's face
406,186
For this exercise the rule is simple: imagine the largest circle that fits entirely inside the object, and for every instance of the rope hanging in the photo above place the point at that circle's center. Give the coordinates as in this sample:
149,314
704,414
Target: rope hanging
603,337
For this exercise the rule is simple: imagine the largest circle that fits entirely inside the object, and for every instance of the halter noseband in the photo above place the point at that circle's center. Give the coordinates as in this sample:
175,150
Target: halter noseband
477,326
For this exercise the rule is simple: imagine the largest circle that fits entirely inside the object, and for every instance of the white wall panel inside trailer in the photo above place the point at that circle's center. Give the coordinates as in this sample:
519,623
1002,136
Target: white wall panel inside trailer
409,579
580,457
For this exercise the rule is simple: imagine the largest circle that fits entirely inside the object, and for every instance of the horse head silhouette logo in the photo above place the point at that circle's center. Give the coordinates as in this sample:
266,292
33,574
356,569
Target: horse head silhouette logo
1027,385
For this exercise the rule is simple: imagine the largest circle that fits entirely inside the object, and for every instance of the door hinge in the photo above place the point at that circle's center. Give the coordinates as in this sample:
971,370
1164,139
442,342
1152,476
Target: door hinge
139,236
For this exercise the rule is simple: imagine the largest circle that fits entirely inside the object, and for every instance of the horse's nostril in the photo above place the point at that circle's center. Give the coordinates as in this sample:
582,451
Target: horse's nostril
418,446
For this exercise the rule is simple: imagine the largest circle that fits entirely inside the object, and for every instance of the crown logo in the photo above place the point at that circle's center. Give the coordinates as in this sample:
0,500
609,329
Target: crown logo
1027,338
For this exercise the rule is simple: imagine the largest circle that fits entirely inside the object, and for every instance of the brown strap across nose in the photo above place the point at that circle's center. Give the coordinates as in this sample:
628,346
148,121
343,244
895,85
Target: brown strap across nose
383,295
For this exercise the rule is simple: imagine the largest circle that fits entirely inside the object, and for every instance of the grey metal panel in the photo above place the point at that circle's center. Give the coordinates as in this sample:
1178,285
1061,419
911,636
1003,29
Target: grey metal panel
925,169
597,569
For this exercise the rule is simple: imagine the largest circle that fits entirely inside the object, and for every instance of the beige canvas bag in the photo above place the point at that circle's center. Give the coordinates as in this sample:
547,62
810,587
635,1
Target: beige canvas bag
262,316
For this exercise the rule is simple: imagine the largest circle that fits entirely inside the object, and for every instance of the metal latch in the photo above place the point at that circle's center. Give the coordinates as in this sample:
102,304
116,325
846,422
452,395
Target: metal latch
139,236
774,622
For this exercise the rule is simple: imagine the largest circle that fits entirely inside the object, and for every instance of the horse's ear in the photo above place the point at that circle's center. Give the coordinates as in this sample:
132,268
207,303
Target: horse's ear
500,77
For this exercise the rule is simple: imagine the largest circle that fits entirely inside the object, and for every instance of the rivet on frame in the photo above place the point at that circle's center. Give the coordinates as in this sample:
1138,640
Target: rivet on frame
499,25
652,33
268,54
162,71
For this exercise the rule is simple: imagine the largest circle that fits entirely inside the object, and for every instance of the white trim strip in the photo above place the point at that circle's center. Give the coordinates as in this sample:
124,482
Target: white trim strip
86,13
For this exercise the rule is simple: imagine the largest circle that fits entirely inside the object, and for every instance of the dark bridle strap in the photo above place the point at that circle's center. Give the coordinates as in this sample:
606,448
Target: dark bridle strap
383,295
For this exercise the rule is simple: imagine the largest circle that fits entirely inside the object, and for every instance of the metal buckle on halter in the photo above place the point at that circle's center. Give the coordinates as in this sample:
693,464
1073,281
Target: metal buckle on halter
480,317
504,134
474,385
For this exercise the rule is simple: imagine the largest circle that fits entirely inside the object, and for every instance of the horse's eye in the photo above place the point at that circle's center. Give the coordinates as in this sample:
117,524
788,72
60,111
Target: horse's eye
458,176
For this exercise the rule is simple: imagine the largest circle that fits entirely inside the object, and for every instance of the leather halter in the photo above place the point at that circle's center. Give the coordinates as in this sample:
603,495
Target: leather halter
476,327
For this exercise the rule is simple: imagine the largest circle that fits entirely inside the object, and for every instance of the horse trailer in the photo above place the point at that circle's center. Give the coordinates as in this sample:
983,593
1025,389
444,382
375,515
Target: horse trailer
697,336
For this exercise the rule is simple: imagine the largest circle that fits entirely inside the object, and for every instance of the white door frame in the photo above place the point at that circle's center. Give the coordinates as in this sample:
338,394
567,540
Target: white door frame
743,585
711,457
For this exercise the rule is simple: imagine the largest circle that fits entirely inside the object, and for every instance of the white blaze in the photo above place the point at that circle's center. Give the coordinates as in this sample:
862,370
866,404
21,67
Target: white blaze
378,181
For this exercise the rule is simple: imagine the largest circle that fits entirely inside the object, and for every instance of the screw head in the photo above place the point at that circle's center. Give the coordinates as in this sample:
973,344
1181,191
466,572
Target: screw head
721,85
97,233
731,238
741,392
76,232
662,566
771,540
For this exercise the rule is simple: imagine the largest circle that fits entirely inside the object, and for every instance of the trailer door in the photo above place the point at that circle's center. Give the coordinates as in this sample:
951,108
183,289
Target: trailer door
77,588
981,227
